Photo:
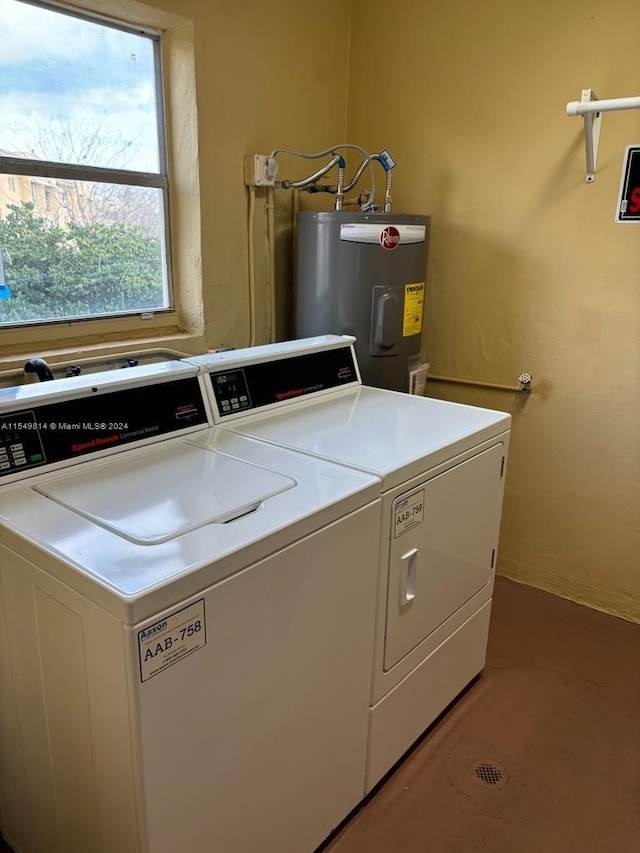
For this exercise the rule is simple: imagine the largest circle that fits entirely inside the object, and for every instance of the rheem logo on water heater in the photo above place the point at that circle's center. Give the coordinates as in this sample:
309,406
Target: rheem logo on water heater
389,237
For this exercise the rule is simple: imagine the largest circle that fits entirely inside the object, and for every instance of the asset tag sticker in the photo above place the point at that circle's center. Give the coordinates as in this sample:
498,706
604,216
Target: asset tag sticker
413,309
408,513
171,639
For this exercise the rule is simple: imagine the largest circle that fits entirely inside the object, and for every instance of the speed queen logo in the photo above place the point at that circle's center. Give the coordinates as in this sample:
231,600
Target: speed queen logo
389,237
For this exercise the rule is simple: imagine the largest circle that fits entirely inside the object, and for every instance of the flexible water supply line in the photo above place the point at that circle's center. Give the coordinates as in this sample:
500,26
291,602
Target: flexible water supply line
304,182
387,194
358,173
383,158
316,155
340,187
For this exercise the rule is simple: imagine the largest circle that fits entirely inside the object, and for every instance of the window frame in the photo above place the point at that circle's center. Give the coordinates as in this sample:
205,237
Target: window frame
23,166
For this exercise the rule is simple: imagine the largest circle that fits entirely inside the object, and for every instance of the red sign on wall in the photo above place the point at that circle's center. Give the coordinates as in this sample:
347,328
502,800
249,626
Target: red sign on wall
628,209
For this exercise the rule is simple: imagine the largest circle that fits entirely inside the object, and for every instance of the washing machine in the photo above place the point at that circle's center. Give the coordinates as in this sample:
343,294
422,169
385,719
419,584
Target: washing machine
441,468
186,625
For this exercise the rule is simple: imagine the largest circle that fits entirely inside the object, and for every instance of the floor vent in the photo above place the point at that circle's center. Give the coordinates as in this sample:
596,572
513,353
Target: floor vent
490,773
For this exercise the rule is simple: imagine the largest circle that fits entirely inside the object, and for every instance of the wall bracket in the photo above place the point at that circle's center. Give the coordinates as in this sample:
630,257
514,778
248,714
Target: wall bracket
591,110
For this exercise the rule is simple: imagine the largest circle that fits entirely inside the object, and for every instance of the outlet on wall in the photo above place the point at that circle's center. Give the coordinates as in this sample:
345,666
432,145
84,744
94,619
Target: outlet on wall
260,170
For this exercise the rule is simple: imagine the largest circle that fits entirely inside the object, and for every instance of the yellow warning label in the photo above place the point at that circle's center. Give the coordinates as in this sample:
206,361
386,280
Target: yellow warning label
413,308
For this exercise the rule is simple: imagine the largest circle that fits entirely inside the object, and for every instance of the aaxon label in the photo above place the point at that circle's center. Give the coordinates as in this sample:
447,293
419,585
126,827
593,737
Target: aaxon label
408,513
171,639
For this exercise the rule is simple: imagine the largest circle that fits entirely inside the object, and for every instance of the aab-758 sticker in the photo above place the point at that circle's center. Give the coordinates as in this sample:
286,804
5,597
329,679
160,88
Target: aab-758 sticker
408,512
171,639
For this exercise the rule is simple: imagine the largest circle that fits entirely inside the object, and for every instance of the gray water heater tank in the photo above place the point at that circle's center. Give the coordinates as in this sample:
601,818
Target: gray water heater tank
364,274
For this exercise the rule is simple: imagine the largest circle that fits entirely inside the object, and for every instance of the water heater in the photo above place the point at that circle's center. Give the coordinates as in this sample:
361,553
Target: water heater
364,274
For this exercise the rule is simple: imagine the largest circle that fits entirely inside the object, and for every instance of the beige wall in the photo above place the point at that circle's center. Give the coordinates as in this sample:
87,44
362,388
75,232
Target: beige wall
528,270
254,94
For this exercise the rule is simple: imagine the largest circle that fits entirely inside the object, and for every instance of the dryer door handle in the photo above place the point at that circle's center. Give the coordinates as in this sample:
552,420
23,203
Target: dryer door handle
408,569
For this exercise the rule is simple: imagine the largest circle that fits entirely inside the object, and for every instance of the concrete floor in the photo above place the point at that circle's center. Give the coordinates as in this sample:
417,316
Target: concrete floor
542,753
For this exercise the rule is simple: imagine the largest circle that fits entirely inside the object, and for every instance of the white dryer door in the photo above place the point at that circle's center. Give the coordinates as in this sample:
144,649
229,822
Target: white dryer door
444,533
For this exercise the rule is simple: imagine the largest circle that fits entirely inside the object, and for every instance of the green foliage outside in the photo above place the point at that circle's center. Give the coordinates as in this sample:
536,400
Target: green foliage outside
76,271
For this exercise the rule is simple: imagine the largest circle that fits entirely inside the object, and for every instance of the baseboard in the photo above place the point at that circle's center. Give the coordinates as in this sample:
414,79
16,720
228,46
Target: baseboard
598,598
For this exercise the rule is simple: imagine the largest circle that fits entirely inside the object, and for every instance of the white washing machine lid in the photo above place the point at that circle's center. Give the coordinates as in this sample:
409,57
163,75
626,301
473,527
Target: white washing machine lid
155,496
391,435
151,526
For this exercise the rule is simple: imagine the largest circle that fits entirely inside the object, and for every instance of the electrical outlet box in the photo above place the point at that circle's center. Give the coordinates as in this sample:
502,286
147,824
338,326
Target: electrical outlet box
260,170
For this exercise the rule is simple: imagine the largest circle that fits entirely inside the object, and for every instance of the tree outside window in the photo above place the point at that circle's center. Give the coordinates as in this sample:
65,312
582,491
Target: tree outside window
83,183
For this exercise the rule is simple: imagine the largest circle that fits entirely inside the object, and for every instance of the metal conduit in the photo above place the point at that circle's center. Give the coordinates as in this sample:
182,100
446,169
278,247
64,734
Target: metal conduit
524,381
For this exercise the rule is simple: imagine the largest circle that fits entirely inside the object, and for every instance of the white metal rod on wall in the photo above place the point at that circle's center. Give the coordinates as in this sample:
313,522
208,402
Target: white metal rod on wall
578,108
524,381
591,110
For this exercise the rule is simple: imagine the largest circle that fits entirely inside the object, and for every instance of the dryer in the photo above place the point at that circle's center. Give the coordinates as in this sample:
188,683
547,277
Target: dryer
441,468
186,625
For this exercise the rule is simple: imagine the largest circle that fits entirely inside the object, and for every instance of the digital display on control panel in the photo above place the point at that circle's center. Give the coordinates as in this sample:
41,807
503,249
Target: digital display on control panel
231,391
257,385
56,431
20,444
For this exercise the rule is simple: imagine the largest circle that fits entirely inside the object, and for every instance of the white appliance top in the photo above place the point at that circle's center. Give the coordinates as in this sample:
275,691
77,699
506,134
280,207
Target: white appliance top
307,395
117,484
271,352
40,393
63,422
139,531
391,435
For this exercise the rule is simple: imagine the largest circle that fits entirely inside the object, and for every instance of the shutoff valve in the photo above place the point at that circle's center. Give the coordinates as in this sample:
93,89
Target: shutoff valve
525,380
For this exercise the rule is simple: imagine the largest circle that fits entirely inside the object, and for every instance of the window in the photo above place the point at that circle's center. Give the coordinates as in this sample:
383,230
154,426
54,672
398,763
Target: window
82,122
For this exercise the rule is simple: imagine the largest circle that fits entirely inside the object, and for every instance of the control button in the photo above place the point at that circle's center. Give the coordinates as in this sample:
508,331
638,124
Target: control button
4,465
245,404
3,452
37,457
19,458
235,406
19,461
16,447
243,398
234,400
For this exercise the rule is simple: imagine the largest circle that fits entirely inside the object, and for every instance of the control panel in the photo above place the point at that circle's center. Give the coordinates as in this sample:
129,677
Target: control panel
20,444
254,386
231,391
65,429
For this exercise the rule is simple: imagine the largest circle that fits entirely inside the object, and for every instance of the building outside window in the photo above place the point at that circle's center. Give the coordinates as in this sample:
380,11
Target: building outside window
81,100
